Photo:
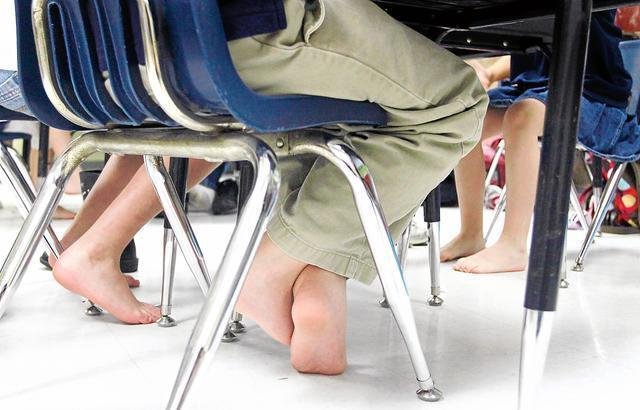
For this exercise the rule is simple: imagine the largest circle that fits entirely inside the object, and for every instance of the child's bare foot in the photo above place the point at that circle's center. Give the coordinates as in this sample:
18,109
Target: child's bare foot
131,281
461,246
96,276
266,296
501,257
320,319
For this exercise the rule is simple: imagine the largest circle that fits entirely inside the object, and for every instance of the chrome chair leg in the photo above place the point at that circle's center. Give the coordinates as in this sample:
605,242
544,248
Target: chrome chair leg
236,323
494,164
227,283
17,176
39,219
170,249
575,203
536,334
434,263
607,197
385,258
403,249
497,212
174,212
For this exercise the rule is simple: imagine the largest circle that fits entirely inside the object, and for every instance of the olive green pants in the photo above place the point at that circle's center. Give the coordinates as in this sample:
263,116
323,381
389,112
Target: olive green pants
353,50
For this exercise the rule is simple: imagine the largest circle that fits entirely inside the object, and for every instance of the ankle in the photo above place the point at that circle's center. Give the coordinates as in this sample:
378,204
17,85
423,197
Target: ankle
471,235
511,244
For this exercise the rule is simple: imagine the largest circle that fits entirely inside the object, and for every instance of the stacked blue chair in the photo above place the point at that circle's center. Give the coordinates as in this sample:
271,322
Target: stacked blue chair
631,57
221,120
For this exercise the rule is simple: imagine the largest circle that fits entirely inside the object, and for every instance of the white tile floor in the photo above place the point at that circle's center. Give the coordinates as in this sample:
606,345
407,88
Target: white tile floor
54,357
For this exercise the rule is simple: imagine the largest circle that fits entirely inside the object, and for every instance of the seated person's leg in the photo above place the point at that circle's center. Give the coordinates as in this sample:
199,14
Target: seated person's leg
523,124
90,266
470,177
435,106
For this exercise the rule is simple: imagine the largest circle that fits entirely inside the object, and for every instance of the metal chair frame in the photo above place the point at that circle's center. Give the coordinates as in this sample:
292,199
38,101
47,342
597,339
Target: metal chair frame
224,142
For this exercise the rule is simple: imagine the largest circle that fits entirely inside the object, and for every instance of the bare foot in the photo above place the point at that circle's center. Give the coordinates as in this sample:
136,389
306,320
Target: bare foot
96,276
461,246
319,314
266,296
501,257
131,281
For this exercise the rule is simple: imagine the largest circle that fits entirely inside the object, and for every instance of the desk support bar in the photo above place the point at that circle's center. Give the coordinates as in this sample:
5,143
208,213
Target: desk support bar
552,204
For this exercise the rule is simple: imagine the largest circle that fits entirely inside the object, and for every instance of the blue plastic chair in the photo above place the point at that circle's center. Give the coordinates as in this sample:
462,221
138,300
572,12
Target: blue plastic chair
193,79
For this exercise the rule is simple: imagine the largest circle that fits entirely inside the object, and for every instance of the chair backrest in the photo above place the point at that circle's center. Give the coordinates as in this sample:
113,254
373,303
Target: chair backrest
631,56
207,63
30,82
201,70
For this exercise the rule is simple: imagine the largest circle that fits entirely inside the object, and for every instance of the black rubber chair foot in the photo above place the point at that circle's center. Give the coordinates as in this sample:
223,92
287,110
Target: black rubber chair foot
44,261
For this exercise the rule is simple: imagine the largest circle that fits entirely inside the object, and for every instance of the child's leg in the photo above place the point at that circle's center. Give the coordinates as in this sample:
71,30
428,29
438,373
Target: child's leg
90,267
267,296
470,177
523,124
58,140
115,176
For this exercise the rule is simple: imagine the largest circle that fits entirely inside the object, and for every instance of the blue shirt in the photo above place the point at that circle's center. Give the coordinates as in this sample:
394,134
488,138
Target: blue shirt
246,18
606,80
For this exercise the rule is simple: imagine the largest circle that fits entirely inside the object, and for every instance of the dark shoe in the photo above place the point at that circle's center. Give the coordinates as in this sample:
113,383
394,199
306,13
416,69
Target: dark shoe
226,200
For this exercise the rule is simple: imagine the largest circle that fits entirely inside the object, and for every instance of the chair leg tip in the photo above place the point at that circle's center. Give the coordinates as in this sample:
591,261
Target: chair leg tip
578,267
435,301
431,395
384,303
229,337
237,327
93,310
166,321
564,284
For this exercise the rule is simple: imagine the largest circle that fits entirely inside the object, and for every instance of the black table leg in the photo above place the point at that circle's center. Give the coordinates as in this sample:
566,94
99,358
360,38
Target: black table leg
570,42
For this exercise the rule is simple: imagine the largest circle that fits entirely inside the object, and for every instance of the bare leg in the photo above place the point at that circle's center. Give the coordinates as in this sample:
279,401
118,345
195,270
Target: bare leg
58,141
523,124
298,305
90,266
115,176
267,294
470,186
319,315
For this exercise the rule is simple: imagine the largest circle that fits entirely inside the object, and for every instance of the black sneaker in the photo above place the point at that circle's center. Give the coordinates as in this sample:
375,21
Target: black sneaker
226,200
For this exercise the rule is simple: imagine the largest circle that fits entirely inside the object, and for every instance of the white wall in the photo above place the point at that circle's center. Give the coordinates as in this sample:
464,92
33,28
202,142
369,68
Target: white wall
7,36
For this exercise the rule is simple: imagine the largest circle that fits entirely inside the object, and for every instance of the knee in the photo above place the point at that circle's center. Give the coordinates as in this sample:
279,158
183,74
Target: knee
524,115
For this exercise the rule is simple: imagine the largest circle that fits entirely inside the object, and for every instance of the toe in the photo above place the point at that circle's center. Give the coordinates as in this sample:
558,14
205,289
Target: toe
132,282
